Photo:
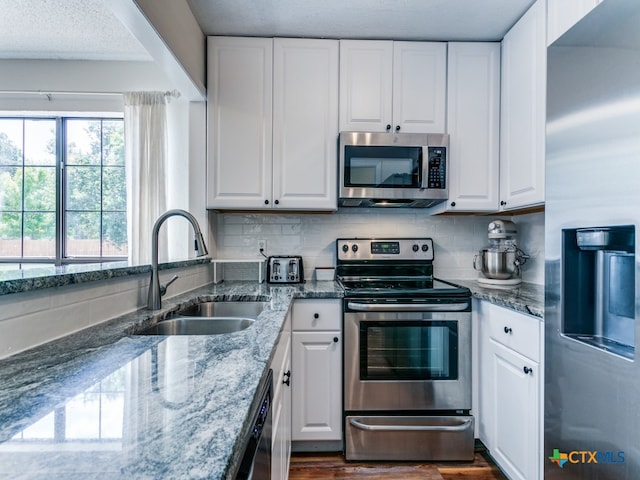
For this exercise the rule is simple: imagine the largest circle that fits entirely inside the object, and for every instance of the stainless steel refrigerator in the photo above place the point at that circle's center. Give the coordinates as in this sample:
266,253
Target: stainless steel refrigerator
592,267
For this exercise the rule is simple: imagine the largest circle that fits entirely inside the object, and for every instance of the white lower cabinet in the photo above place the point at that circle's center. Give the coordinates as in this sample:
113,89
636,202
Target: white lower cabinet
281,405
317,379
510,386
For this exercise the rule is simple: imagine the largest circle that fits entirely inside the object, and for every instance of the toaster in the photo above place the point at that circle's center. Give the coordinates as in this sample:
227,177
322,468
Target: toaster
285,269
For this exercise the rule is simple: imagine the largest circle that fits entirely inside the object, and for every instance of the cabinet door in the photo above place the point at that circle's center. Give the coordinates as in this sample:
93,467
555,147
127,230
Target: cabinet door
516,416
419,86
239,129
523,111
365,85
281,406
317,386
564,14
305,124
473,123
486,382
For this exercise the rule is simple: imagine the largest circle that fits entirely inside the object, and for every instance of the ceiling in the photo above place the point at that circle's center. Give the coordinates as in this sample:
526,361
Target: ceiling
65,30
87,30
365,19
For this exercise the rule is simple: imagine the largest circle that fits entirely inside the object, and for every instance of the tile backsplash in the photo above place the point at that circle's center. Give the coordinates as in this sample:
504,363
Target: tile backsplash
457,238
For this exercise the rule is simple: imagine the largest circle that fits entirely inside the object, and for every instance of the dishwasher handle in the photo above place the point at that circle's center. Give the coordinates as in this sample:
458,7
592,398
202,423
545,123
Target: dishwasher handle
408,307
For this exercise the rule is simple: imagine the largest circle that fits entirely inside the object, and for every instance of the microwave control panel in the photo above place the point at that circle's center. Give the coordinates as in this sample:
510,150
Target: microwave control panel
437,168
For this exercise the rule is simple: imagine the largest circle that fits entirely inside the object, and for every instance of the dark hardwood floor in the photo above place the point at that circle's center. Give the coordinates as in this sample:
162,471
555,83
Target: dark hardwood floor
314,466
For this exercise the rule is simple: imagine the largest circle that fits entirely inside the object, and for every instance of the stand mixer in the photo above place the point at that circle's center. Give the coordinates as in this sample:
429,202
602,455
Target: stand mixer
500,262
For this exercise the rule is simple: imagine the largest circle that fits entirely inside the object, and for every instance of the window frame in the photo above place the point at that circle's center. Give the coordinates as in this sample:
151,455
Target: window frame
61,257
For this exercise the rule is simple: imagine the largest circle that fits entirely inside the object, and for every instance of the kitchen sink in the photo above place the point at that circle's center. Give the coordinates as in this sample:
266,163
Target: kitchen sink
208,318
198,326
223,309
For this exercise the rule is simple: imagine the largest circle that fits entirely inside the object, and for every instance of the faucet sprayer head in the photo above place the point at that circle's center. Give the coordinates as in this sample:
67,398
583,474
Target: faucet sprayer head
199,245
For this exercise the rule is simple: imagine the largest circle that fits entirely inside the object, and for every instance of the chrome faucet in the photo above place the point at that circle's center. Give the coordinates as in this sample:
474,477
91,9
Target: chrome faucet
156,291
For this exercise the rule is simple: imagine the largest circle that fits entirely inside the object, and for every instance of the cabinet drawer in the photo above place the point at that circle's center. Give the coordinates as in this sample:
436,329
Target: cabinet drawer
518,331
317,314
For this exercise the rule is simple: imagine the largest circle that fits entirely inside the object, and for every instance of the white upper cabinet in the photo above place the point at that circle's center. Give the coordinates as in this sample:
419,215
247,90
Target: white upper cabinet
473,125
564,14
272,123
392,86
365,85
305,123
239,122
419,86
523,105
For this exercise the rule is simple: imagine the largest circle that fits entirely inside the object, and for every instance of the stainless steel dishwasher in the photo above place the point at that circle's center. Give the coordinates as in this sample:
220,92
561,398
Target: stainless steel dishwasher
256,458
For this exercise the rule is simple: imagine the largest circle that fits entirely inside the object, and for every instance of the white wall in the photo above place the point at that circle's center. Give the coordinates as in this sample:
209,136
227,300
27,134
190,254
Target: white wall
456,238
33,318
186,120
74,76
179,29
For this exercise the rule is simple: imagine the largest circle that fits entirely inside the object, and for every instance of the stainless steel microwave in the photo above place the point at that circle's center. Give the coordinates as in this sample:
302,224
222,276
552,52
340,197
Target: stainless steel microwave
393,169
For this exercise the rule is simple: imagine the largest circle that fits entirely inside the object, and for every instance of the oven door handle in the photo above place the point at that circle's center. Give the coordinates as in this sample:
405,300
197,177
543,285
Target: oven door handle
423,428
408,307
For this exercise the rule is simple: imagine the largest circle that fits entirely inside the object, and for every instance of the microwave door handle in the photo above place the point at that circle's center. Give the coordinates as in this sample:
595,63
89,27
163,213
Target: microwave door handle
394,428
424,184
408,307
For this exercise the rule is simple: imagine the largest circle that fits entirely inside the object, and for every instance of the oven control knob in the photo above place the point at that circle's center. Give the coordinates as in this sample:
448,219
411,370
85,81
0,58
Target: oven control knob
415,247
354,248
425,247
345,248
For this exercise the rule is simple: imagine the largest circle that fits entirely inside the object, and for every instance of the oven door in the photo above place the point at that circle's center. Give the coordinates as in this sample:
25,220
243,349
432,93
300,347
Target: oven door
407,356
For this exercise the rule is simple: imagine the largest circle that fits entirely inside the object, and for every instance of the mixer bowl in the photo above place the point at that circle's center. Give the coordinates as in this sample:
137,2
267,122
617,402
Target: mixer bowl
497,264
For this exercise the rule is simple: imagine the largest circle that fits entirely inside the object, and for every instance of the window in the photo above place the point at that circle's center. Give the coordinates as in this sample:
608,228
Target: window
62,189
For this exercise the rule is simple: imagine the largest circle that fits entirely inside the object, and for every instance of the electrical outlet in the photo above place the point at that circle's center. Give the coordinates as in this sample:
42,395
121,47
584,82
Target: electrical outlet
262,246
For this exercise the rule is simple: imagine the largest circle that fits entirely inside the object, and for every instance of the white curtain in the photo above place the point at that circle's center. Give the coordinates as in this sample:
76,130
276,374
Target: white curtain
145,128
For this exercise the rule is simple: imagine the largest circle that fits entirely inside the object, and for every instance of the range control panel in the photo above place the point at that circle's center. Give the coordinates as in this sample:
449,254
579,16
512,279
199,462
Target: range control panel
384,249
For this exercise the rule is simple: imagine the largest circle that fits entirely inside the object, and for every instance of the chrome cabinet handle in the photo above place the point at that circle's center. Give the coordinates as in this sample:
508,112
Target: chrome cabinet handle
287,378
393,428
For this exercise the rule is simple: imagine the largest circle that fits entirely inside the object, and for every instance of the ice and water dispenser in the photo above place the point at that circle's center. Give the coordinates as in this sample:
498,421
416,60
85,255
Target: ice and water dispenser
599,292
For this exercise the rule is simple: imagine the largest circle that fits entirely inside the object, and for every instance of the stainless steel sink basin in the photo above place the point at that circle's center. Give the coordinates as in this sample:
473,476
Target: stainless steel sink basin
199,326
208,318
223,309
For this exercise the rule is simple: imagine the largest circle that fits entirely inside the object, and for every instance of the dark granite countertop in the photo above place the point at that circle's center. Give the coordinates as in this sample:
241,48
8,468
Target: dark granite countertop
103,403
526,298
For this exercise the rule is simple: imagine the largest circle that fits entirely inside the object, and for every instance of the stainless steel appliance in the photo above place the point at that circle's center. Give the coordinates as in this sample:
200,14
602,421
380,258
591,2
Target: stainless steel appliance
256,457
407,353
500,262
285,269
592,216
393,169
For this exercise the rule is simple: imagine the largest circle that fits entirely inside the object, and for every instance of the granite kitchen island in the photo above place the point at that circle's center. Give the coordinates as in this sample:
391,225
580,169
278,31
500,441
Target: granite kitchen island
107,403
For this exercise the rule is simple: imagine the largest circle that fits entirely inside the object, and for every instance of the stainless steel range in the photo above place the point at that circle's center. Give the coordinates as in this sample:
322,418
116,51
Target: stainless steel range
407,353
